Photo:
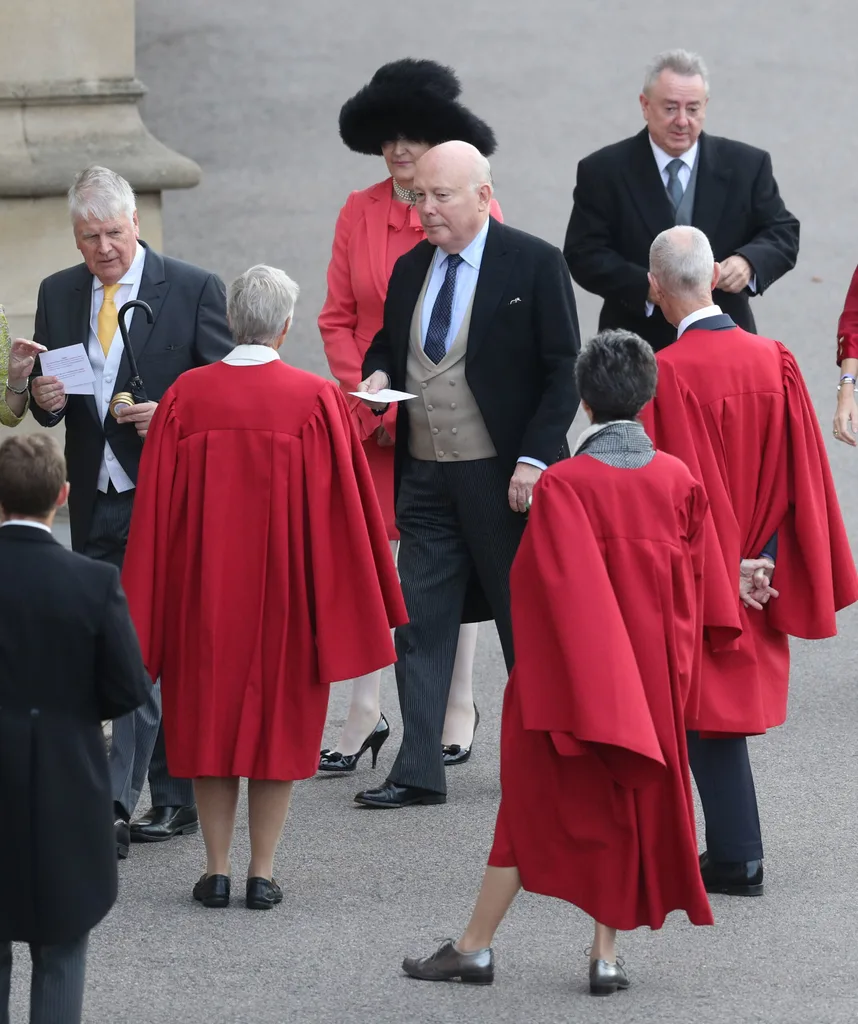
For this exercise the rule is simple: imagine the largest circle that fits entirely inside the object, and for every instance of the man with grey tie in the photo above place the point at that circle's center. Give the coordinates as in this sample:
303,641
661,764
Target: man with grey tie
480,324
674,173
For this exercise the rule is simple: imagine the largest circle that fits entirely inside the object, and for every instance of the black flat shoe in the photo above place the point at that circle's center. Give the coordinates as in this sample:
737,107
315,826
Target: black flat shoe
123,838
212,890
161,823
732,878
262,894
453,753
391,795
334,761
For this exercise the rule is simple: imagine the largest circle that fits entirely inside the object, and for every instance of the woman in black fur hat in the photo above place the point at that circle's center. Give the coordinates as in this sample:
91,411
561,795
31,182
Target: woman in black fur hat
408,107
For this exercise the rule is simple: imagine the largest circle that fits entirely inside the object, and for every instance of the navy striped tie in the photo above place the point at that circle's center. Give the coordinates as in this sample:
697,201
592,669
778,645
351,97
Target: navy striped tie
435,345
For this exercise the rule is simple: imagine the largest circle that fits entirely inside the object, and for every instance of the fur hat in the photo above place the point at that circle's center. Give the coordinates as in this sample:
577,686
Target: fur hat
414,99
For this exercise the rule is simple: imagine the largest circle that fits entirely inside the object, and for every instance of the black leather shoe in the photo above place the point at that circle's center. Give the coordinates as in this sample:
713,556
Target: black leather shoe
161,823
729,878
262,894
212,890
391,795
334,761
123,838
606,978
448,964
453,753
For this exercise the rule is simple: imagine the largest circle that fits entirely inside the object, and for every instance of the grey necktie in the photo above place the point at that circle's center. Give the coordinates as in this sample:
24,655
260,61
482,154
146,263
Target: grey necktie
674,185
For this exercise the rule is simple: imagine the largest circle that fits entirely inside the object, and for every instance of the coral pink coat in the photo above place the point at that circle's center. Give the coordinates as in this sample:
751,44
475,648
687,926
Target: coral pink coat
372,232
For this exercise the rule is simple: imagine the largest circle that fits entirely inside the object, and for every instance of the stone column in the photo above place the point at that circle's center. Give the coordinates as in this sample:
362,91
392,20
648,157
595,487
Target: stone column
68,98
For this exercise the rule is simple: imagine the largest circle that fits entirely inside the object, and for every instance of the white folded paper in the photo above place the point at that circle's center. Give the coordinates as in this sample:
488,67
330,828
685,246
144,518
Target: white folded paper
385,395
70,365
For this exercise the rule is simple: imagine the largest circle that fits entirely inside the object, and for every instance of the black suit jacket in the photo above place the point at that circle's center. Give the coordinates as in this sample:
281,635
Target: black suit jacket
70,659
522,344
620,205
189,329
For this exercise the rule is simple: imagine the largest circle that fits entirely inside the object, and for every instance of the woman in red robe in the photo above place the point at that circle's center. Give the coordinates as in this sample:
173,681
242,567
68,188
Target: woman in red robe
608,614
258,572
408,107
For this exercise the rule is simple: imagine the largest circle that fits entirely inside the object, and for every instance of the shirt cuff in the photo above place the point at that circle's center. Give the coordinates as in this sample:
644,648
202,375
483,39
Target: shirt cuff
650,307
765,554
752,285
533,462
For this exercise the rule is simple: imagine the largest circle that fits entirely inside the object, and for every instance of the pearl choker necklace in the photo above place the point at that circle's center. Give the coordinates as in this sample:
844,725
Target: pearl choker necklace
405,194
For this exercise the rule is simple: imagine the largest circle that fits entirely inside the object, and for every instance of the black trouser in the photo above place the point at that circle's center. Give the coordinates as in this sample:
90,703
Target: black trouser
725,782
452,518
56,989
137,748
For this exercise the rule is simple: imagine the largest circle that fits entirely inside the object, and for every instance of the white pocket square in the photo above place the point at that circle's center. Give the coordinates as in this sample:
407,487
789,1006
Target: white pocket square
512,302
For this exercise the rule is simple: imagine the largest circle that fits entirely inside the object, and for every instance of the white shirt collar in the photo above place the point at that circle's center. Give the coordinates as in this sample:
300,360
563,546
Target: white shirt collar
472,254
663,159
132,275
26,522
692,318
251,355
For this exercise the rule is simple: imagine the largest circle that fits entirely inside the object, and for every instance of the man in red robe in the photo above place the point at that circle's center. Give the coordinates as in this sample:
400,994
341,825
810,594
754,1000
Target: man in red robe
734,407
258,572
596,805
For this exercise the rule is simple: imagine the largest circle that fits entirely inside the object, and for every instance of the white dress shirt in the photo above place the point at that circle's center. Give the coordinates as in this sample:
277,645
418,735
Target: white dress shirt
466,283
26,522
106,368
692,318
251,355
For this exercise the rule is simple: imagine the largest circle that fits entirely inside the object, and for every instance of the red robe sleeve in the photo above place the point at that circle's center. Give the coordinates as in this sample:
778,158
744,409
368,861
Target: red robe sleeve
356,595
575,669
675,425
847,328
144,570
815,571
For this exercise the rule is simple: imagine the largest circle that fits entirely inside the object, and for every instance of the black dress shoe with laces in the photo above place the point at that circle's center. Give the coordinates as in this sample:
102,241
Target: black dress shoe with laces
161,823
212,890
448,964
262,894
732,878
392,795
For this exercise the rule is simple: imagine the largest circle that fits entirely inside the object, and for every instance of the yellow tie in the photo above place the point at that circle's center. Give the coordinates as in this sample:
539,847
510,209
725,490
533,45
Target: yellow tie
108,319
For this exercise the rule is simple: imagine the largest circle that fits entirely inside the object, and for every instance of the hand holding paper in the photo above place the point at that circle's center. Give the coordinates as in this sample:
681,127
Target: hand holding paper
70,365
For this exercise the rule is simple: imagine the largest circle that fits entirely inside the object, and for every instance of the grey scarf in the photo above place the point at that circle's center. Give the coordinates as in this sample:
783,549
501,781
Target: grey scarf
621,443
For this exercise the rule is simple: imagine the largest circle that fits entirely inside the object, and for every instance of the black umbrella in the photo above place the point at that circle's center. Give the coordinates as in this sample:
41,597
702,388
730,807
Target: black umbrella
136,391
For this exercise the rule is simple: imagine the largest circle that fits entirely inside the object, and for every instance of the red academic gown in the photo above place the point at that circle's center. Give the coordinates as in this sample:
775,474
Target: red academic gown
607,605
258,570
847,328
735,408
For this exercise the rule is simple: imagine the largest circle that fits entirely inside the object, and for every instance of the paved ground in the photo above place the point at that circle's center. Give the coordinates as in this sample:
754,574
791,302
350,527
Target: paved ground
252,91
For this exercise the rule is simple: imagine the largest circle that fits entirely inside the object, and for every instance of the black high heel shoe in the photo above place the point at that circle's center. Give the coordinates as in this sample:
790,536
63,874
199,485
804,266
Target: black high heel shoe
453,753
334,761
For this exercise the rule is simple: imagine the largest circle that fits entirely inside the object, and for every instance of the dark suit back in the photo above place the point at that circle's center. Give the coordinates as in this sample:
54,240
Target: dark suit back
620,205
522,344
70,659
189,329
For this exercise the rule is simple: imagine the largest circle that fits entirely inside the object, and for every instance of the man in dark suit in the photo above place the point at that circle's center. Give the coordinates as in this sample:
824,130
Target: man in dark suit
480,323
80,306
70,660
673,173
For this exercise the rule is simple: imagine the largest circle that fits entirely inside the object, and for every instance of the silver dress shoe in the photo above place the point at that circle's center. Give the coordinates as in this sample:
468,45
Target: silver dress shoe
447,964
606,978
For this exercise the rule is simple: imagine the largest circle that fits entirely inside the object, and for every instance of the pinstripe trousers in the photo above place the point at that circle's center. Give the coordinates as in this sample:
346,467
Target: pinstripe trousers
56,991
453,518
137,747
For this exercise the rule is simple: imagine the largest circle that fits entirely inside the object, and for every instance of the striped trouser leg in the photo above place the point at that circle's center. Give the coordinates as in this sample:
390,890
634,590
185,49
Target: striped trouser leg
5,980
434,567
59,972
